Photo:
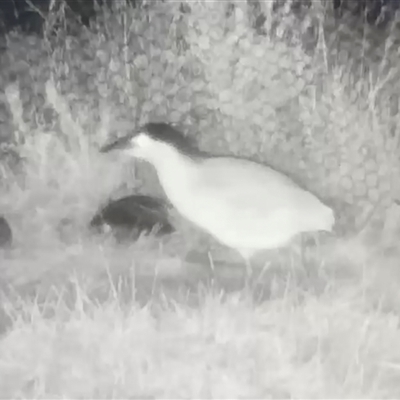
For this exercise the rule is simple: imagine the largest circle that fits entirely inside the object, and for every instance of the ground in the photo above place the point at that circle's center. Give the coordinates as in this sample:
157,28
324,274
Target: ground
79,322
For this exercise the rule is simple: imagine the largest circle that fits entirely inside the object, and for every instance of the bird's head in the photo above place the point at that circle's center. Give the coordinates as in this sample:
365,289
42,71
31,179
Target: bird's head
152,141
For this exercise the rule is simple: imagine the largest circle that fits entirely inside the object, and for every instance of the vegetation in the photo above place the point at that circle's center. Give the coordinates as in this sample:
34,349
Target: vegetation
84,317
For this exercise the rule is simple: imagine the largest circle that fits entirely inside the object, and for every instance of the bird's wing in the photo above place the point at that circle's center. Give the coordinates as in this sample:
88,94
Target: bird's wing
250,186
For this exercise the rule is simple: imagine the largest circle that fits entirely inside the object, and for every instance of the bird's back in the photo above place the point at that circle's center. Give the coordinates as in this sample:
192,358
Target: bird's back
246,184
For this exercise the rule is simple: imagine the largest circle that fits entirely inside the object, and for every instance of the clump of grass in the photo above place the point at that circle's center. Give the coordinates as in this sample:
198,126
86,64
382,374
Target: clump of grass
60,169
331,347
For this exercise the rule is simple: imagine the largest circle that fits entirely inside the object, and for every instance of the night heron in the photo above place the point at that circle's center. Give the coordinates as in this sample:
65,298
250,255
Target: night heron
245,205
130,216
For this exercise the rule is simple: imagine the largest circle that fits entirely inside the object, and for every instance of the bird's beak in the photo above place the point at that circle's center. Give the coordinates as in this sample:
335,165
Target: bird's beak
122,143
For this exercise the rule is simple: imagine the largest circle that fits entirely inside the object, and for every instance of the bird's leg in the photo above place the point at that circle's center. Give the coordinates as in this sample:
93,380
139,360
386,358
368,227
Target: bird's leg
302,251
248,275
249,270
306,252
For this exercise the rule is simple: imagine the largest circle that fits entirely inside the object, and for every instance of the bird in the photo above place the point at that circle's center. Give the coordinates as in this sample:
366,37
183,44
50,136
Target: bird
129,216
245,205
5,233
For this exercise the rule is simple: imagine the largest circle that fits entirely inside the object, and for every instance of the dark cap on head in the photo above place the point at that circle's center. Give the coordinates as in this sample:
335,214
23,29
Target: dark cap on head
168,134
158,131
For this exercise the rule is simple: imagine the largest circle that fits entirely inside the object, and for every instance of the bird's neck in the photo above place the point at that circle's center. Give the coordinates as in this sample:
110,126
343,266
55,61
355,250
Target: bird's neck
174,168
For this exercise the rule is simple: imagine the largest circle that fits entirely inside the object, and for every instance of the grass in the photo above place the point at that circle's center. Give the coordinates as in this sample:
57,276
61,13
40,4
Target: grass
334,342
83,317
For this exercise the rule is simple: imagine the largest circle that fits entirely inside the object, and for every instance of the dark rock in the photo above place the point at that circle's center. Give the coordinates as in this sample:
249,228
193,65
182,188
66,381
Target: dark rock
130,216
5,233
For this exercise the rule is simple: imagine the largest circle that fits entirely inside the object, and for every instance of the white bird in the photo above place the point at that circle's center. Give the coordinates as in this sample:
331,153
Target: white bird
245,205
